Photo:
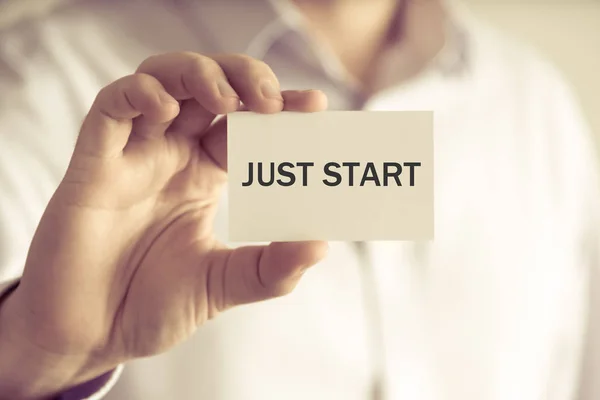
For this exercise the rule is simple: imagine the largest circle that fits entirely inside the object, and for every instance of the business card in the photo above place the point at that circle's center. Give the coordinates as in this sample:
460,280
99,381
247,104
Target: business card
332,175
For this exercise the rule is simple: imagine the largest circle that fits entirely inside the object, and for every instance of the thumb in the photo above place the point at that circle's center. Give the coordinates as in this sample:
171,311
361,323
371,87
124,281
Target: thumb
254,273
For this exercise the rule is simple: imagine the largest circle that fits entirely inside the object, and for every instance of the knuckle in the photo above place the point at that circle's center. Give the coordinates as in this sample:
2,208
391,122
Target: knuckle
134,82
139,81
250,66
203,68
144,66
151,63
105,93
130,92
109,98
137,90
279,289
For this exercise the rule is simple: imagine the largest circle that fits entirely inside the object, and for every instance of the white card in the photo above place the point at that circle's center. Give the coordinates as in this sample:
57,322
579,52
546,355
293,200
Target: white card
338,176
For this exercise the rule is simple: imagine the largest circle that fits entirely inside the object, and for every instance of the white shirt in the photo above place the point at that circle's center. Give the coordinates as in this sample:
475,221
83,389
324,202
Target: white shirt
495,308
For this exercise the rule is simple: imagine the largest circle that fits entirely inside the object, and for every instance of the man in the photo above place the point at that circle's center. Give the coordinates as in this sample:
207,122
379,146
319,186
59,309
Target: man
129,262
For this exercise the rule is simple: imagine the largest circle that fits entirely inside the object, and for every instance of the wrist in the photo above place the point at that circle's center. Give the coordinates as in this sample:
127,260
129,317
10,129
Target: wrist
29,372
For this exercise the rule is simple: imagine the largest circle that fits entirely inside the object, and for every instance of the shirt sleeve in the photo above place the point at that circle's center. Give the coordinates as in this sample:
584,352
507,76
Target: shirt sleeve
95,389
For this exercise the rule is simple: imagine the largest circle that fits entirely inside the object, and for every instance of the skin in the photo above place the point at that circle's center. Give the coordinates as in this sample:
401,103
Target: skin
124,263
142,257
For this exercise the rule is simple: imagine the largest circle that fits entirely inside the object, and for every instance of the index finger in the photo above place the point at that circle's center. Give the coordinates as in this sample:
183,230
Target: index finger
218,83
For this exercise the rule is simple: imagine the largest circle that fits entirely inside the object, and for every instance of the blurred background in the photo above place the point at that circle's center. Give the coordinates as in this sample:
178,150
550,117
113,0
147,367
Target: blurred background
565,31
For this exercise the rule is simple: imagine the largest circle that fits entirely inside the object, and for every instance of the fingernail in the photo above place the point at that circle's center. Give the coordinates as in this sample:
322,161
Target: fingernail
225,89
270,91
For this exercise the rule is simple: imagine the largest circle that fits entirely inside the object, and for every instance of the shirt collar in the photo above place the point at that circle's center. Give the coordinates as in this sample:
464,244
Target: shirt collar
236,26
252,27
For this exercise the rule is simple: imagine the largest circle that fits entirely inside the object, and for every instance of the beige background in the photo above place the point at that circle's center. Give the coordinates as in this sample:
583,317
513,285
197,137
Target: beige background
566,31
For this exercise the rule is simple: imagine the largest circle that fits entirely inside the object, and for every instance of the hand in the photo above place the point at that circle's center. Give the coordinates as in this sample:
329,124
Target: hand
124,263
